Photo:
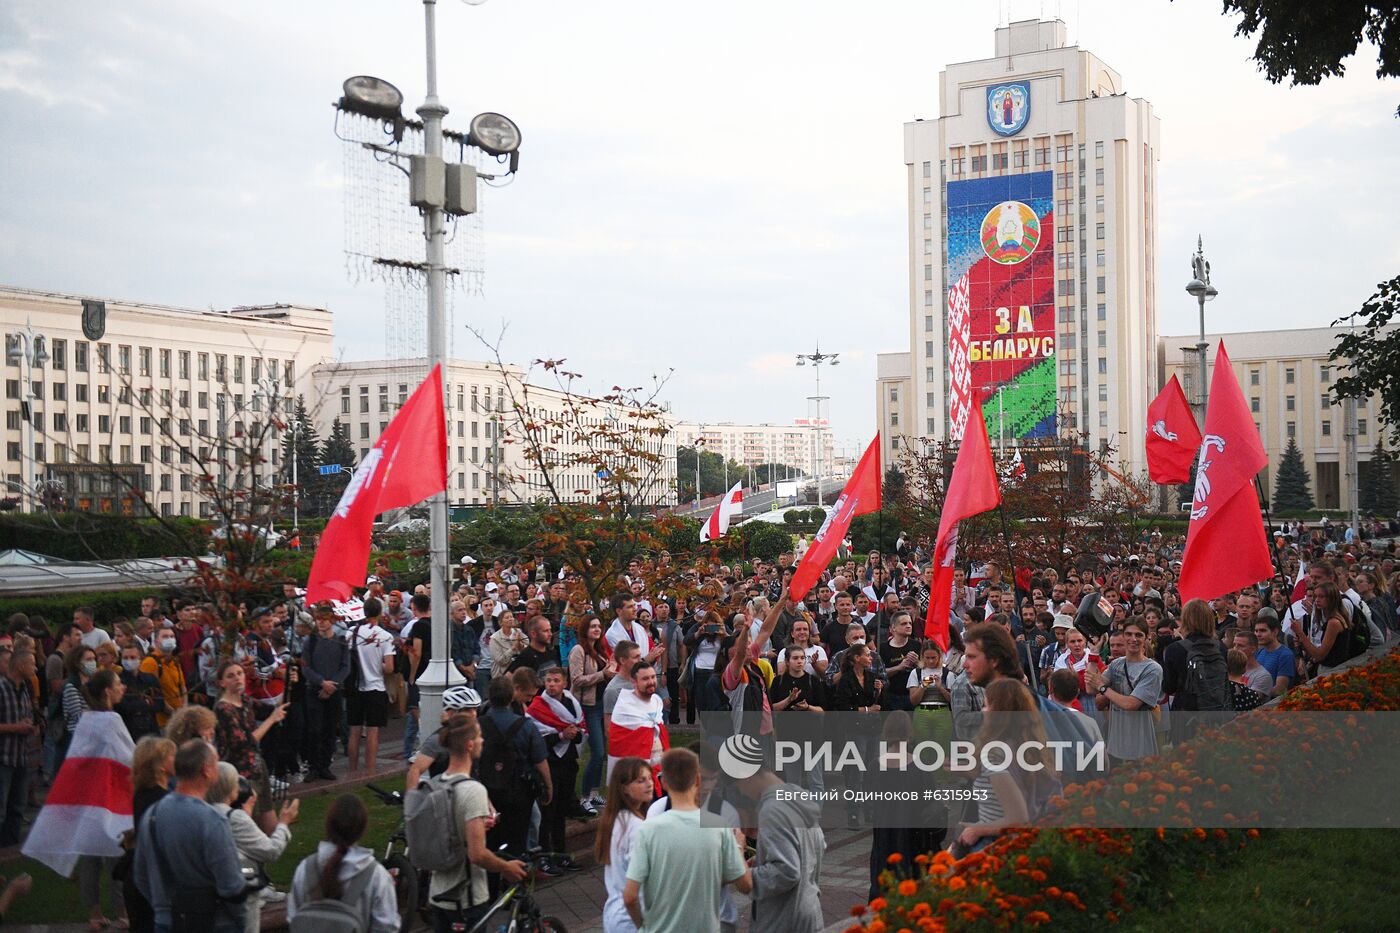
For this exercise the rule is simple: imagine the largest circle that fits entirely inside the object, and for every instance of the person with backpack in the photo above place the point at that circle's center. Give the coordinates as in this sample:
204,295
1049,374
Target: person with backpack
1128,691
1331,638
340,888
513,767
1194,673
445,820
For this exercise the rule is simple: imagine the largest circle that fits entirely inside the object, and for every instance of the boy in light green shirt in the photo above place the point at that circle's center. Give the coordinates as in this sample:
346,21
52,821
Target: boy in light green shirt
680,865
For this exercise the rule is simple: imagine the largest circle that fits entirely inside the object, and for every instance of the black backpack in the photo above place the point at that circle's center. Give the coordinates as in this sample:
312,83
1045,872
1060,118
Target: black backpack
1207,683
499,768
1359,637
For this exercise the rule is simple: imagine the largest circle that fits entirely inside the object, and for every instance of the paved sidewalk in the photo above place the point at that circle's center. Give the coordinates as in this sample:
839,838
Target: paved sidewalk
577,899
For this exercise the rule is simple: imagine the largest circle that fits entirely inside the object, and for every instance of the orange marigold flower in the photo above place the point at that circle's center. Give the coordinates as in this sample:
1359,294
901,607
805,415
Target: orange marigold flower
1022,861
879,904
876,926
1037,917
907,887
1198,833
895,858
1038,876
956,884
1052,891
1252,833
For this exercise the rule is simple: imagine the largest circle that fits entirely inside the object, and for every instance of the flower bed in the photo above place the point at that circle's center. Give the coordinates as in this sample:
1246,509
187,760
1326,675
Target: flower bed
1076,877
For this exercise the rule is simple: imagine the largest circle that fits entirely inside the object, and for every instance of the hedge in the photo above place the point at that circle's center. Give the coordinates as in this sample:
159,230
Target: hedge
107,604
87,536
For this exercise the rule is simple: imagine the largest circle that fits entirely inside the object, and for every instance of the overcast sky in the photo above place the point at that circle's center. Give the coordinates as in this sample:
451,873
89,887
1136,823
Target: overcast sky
706,187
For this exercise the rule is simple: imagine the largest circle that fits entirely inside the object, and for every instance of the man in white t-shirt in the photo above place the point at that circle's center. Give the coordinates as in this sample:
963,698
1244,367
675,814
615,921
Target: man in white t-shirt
367,706
93,637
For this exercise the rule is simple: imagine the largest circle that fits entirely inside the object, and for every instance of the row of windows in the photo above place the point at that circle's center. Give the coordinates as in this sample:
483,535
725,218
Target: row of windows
162,360
1290,375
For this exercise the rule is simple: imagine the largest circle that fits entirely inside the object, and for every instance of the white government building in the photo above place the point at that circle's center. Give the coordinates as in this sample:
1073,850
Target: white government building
1051,124
105,416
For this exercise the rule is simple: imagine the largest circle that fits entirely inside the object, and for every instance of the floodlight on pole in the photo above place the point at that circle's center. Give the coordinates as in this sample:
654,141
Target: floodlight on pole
438,189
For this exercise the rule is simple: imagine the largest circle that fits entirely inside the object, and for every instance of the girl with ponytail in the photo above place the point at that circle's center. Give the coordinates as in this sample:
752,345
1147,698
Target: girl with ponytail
339,866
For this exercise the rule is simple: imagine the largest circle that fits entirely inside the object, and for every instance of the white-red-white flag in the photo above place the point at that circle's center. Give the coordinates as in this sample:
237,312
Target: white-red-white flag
89,806
718,523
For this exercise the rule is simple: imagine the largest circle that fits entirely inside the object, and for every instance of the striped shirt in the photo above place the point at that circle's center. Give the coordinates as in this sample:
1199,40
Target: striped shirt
15,706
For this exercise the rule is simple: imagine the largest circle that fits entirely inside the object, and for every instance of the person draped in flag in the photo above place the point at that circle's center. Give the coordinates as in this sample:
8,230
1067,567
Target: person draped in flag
558,715
637,723
626,627
88,809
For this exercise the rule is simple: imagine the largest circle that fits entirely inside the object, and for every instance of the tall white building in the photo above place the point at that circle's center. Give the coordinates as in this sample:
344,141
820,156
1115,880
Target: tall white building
365,395
1032,214
799,444
126,395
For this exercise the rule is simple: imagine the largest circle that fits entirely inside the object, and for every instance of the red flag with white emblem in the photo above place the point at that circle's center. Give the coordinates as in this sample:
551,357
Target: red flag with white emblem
1225,544
1172,436
408,465
861,495
972,490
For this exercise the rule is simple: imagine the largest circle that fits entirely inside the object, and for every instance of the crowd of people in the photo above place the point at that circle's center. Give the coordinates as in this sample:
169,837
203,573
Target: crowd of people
566,713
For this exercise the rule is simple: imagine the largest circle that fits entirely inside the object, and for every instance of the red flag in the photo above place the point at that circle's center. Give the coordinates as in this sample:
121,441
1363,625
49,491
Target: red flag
408,465
1172,436
972,490
1225,544
861,495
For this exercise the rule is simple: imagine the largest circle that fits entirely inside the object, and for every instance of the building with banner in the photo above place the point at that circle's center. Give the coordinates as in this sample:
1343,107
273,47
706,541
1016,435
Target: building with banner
1032,250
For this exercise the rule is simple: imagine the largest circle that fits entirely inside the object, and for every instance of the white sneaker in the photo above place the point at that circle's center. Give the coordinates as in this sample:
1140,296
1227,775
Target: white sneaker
271,895
278,786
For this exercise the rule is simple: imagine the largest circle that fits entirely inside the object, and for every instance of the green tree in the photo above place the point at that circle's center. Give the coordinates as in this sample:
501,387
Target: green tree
301,441
894,483
1378,483
336,448
1369,353
1291,493
1304,41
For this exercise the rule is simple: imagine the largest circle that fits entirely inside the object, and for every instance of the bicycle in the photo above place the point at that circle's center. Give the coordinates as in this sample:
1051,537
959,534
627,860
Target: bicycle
410,885
525,915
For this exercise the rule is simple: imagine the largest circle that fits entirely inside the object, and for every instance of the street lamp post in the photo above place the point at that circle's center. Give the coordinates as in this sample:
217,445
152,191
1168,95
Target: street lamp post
1200,288
437,188
817,359
28,349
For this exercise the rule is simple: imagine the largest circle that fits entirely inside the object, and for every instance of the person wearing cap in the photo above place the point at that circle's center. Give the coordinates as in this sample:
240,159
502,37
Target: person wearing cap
325,662
374,588
367,702
1052,653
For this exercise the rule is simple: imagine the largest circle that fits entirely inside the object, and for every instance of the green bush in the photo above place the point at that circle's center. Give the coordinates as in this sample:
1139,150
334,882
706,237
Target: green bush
107,604
764,539
87,536
795,517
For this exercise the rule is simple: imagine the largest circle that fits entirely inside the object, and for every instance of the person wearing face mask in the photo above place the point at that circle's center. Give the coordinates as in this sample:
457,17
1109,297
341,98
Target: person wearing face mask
163,663
81,664
144,700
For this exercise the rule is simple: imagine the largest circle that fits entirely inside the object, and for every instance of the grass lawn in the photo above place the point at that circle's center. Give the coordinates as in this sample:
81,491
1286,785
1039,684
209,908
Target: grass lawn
55,899
1319,879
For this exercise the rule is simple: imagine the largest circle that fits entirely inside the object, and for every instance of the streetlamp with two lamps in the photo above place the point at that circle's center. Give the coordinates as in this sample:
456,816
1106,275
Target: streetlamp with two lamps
1200,288
817,358
438,189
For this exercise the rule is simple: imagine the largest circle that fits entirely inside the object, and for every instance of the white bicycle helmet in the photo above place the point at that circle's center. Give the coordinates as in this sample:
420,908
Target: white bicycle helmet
461,697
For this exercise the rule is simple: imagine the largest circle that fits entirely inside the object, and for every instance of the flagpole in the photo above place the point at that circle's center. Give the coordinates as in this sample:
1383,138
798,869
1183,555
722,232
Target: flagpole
1010,558
1268,533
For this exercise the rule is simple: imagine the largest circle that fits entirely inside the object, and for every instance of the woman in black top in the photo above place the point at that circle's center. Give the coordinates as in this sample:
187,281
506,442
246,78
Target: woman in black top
857,690
795,689
152,767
